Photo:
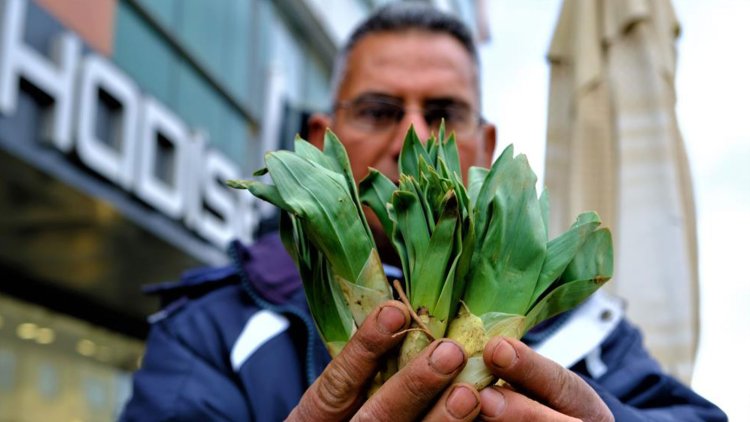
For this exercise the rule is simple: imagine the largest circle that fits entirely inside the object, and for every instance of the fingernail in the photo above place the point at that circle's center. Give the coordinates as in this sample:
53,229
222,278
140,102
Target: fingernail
447,357
493,402
503,355
391,319
461,402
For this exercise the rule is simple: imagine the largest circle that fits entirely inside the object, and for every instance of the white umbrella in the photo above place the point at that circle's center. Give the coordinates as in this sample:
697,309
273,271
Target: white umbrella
614,146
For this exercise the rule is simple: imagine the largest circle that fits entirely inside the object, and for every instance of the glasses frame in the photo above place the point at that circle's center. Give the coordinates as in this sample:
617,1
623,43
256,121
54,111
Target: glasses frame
476,119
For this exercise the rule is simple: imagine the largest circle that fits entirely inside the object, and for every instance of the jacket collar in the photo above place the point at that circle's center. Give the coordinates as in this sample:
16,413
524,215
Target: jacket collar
272,272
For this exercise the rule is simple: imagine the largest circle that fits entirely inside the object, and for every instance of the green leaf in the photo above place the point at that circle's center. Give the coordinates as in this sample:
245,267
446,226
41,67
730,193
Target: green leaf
449,150
408,160
562,250
238,184
477,175
464,249
544,205
399,243
594,260
334,149
513,248
434,193
462,195
321,198
561,299
268,193
308,151
420,185
375,192
290,234
447,301
488,191
413,229
332,318
589,270
431,269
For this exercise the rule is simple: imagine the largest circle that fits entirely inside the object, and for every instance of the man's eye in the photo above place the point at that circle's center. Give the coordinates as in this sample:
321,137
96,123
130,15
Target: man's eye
434,116
377,113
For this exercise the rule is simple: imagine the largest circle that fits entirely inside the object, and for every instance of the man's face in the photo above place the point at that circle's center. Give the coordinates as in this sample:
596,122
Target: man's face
393,80
397,79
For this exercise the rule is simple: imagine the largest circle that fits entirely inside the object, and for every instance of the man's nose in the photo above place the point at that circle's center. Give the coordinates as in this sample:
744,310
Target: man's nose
411,117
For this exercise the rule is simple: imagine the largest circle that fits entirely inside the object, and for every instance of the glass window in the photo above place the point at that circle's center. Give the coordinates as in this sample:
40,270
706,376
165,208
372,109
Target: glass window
239,43
144,55
197,102
201,27
165,11
235,71
316,84
239,144
263,21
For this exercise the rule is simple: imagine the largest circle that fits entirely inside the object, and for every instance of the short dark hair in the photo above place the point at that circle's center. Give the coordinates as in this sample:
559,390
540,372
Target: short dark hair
402,16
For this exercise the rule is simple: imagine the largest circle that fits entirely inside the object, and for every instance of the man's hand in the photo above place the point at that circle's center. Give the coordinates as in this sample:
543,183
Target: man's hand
416,391
541,389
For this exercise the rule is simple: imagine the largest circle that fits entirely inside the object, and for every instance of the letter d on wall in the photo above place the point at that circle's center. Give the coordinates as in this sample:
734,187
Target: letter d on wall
164,155
115,162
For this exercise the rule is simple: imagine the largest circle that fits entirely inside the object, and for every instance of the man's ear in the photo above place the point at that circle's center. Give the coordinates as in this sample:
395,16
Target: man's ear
316,128
489,139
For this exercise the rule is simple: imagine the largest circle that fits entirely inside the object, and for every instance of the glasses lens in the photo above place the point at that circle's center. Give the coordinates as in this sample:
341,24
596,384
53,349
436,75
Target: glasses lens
378,116
375,115
458,118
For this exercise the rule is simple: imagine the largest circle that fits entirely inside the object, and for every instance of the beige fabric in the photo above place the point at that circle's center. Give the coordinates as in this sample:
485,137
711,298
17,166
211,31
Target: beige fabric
613,146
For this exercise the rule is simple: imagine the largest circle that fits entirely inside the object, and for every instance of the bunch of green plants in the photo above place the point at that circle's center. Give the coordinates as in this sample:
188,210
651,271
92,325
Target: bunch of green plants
476,258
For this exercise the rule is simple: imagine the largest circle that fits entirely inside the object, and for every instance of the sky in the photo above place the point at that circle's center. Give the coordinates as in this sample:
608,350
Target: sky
713,90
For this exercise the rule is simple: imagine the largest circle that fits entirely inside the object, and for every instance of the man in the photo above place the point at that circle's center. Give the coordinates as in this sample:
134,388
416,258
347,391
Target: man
237,343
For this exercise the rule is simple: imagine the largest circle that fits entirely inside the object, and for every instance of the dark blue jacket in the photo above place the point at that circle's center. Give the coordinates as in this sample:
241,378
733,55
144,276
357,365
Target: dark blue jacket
238,344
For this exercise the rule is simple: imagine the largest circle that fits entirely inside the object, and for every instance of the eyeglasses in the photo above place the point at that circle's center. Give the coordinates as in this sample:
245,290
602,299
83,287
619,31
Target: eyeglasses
377,116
